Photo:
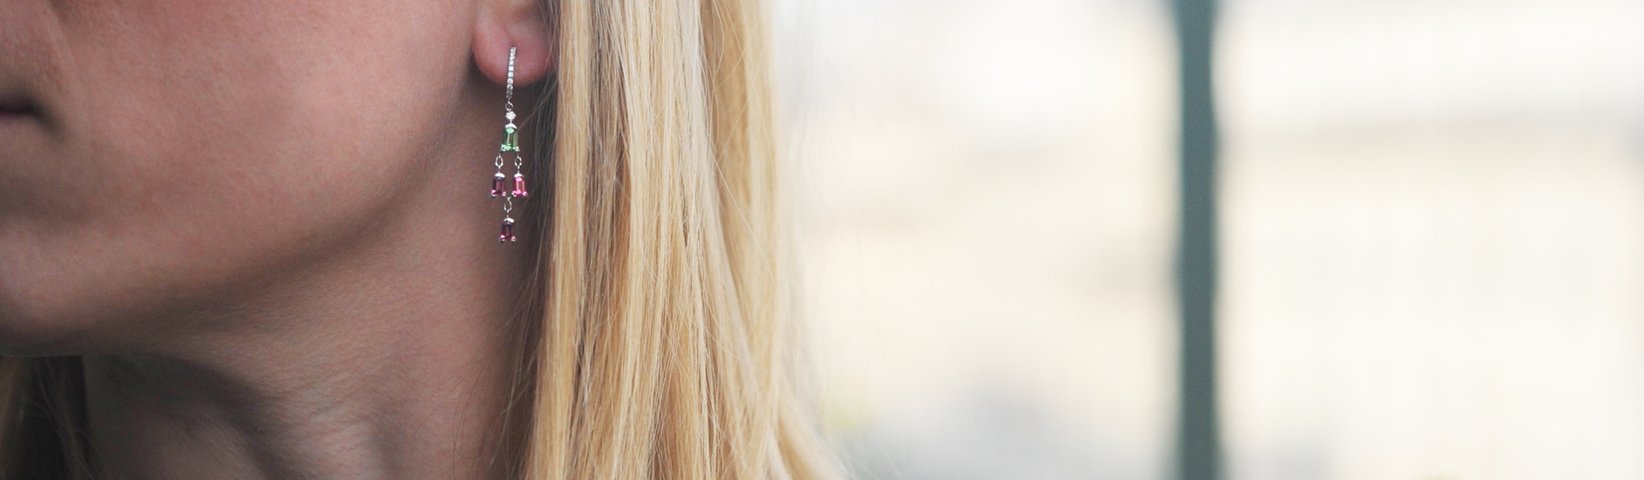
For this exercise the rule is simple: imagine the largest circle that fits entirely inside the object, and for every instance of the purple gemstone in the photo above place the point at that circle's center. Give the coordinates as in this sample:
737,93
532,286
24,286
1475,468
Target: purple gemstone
519,186
507,230
497,188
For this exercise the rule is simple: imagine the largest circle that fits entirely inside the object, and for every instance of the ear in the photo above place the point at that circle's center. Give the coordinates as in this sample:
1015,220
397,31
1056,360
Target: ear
519,24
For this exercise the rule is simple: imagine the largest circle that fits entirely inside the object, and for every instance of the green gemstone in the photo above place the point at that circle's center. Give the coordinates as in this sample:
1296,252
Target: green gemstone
510,139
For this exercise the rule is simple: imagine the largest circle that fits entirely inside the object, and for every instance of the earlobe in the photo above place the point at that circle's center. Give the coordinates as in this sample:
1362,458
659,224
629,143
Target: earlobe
519,24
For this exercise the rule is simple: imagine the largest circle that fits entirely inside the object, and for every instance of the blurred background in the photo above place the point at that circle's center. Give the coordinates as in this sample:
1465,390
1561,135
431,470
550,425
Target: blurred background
1245,239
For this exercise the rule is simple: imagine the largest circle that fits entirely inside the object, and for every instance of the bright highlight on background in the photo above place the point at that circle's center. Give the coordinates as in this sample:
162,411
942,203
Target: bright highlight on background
1432,235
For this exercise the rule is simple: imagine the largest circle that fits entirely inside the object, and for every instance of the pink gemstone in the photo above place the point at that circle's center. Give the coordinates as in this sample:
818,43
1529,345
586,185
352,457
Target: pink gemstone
507,230
519,186
497,188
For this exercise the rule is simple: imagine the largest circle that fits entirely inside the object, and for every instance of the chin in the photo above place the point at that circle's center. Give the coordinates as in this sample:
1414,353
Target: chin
33,336
61,317
28,330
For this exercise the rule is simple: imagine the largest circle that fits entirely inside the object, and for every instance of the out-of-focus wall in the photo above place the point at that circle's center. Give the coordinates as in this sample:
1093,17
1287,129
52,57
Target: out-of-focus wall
1434,239
1433,235
987,191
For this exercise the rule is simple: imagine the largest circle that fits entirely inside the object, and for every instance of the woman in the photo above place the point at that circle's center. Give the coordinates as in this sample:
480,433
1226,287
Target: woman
254,240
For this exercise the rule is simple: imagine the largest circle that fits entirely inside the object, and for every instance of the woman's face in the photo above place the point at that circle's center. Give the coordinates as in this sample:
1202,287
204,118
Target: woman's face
157,154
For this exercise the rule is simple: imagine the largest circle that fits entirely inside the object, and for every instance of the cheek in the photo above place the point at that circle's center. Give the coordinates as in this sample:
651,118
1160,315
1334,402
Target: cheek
206,145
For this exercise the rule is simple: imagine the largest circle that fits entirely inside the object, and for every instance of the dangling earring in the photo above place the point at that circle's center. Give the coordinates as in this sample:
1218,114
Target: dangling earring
510,143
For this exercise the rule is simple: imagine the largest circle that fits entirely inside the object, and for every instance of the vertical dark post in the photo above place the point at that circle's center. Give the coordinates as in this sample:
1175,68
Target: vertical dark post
1198,440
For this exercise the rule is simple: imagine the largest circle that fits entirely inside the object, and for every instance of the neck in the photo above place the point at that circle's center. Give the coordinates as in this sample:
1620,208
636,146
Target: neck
413,391
386,362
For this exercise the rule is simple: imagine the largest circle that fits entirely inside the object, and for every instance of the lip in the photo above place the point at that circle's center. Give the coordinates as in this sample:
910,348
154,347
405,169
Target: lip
15,108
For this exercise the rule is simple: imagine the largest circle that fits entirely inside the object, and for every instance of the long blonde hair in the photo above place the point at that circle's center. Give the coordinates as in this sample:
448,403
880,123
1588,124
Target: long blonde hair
667,347
657,323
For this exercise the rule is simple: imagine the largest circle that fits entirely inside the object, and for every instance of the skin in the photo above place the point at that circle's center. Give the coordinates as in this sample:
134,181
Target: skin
265,226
